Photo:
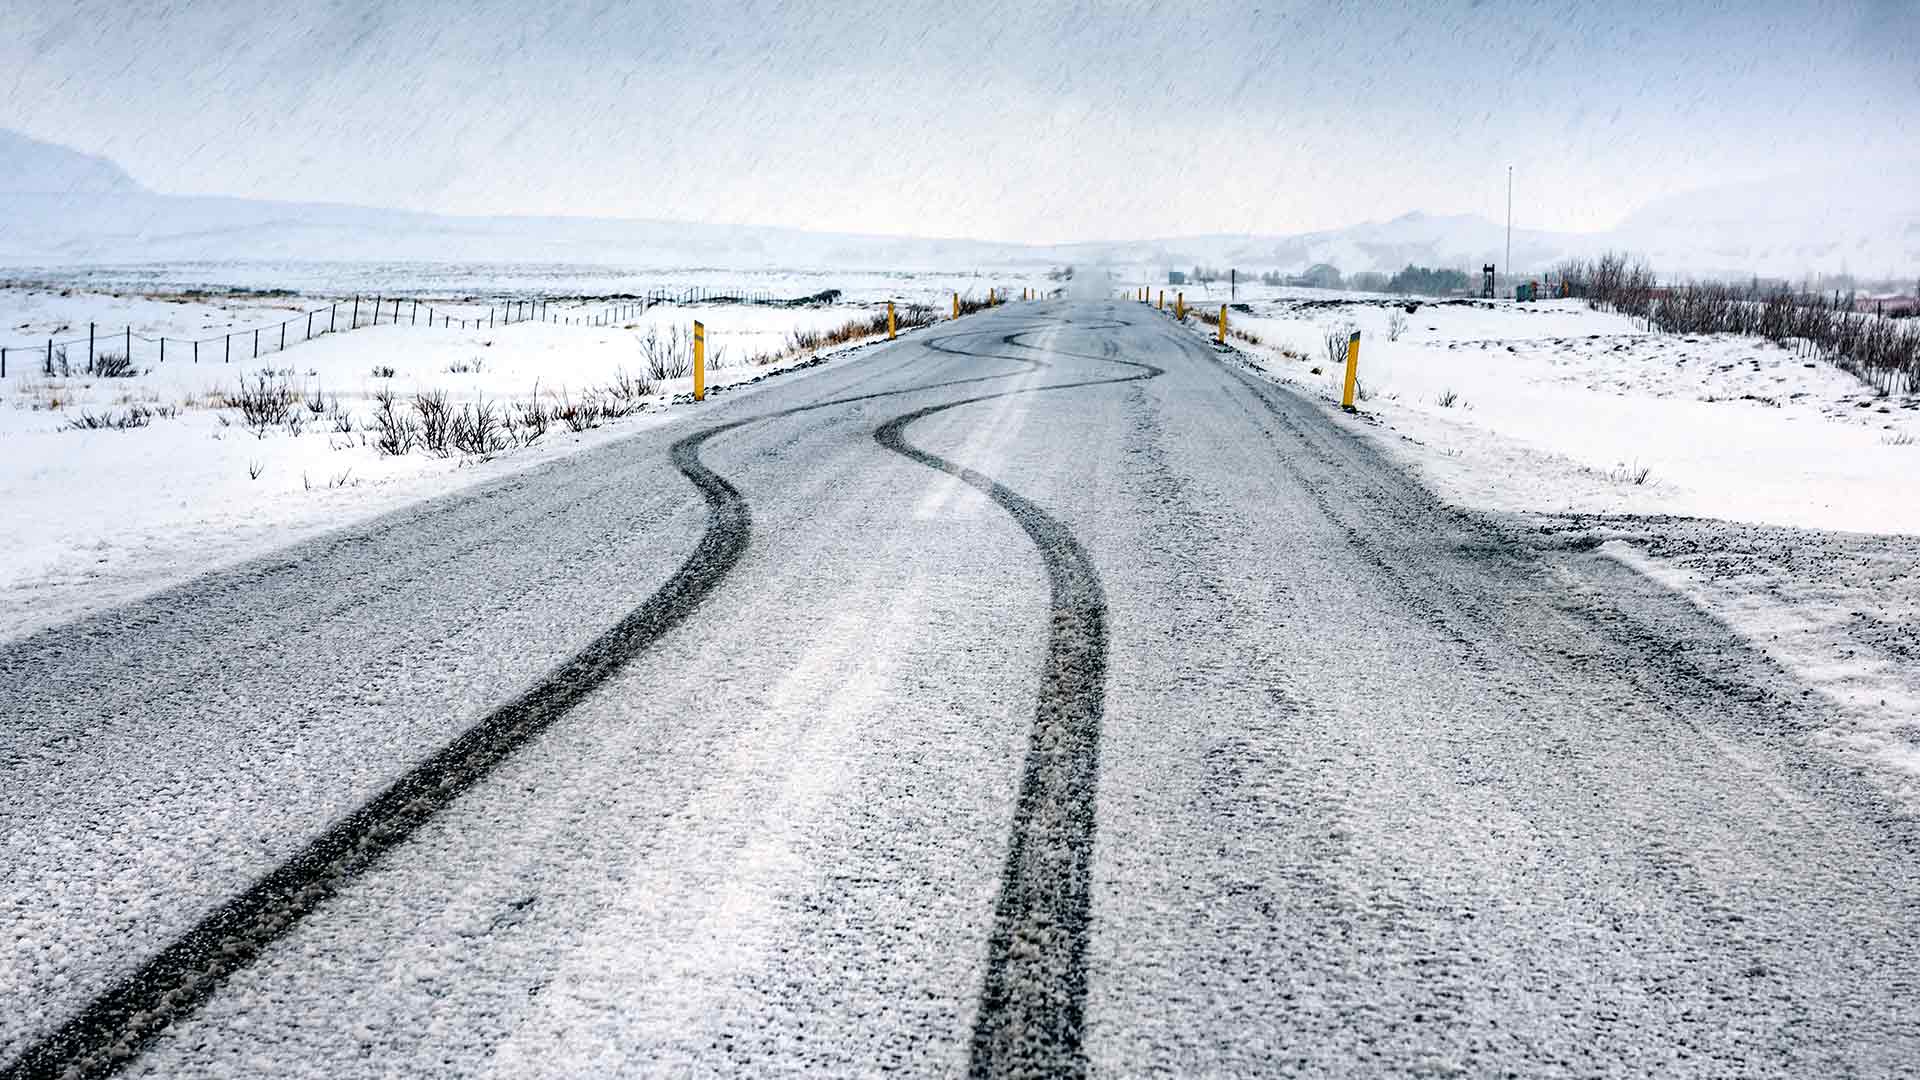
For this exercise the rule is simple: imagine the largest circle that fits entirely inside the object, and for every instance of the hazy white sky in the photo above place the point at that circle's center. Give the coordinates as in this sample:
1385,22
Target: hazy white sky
1027,122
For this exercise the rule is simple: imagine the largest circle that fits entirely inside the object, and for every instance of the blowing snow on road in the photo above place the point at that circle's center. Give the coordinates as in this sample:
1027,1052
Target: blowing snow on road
1045,693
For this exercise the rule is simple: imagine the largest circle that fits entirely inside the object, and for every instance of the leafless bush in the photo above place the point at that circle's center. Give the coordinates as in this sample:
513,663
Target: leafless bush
382,371
1396,324
113,365
906,317
264,402
1337,339
533,419
667,356
1447,399
436,421
1635,474
476,430
578,416
138,416
626,393
1881,352
970,304
395,432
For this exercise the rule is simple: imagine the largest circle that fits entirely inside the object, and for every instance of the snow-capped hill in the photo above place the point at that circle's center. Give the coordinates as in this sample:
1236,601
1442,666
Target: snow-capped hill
29,165
1451,240
66,206
1786,226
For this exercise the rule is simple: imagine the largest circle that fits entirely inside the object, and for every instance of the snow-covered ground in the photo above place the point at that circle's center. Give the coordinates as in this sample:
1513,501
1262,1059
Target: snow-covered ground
1551,406
94,517
1774,491
477,283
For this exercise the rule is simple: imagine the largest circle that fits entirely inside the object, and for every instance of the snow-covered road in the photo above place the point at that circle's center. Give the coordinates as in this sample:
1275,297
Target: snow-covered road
1041,695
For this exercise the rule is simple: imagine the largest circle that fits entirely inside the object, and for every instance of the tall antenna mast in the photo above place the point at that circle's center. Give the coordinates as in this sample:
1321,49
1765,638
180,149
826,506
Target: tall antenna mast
1509,223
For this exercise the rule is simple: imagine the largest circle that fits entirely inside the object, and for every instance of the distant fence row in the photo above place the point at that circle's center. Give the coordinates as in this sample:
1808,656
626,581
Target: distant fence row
119,352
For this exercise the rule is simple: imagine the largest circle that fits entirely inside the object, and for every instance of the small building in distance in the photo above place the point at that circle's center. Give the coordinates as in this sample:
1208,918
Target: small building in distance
1176,277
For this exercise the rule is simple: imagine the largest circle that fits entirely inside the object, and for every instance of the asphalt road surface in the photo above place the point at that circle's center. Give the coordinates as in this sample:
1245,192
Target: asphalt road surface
1043,694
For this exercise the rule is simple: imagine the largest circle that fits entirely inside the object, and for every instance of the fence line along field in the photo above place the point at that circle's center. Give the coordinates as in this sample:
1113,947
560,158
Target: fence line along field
139,473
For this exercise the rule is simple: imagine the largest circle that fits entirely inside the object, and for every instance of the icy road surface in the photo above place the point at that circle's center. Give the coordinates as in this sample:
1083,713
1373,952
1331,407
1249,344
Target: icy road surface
1038,695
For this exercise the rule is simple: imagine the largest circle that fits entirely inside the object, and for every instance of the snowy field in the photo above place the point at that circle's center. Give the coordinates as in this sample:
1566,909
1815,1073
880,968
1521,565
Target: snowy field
1775,491
95,517
1550,406
479,283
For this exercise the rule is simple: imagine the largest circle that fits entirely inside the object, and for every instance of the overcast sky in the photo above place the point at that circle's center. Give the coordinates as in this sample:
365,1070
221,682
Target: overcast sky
1028,121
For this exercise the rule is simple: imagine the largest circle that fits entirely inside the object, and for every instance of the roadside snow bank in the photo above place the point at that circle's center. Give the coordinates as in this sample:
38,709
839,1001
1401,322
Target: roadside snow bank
1779,495
1551,406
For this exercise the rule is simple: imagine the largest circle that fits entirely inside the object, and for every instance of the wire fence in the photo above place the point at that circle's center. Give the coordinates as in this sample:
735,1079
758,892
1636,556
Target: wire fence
123,352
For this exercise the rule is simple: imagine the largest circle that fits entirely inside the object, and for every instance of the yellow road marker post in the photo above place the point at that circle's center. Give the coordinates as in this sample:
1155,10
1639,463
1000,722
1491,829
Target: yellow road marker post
956,305
699,361
1353,371
890,329
1163,300
1223,324
1180,306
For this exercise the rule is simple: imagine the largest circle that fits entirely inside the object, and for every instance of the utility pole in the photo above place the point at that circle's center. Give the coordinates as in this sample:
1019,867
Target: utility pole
1509,223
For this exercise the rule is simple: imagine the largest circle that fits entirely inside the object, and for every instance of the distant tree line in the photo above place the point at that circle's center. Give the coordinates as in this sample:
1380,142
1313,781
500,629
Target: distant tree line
1427,282
1414,279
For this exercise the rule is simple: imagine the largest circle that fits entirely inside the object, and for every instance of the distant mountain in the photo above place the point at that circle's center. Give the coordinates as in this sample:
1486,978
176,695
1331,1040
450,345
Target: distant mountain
1787,226
29,165
1416,238
62,206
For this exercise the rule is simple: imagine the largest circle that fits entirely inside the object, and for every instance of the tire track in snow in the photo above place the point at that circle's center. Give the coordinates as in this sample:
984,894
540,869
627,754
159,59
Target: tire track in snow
1032,1007
111,1029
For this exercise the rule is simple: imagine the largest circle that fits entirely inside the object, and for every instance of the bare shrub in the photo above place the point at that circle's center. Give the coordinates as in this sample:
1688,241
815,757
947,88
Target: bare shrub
113,365
533,419
667,356
578,416
138,416
626,393
395,432
264,402
476,430
382,371
1880,352
1635,474
1447,399
1396,324
1337,338
436,421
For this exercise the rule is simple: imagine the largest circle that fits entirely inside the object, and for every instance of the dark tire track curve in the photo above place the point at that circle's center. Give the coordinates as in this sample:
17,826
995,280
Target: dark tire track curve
111,1029
1032,1008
